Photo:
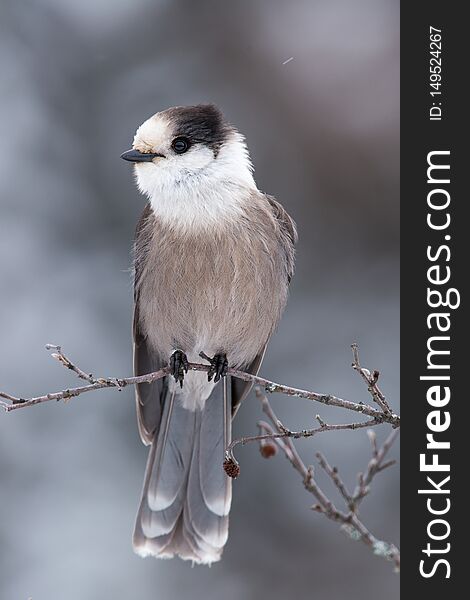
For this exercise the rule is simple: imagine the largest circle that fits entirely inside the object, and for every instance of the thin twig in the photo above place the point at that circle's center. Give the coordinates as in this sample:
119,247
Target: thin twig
60,356
332,472
376,465
304,433
371,379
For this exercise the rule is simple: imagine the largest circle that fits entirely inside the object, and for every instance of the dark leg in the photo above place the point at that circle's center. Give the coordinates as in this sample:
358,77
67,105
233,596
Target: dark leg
178,366
218,368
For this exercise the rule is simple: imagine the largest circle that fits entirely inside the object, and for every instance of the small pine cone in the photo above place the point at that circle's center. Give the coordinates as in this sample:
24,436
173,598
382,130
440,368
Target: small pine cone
267,448
231,468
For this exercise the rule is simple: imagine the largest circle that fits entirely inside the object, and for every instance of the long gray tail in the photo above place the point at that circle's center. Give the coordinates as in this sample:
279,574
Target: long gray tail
186,496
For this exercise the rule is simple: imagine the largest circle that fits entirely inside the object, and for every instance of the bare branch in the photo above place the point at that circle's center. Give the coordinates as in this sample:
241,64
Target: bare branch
284,432
349,520
332,472
376,465
371,379
60,356
14,403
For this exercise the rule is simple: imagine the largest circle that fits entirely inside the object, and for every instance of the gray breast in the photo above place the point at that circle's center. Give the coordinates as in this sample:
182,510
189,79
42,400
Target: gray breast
222,291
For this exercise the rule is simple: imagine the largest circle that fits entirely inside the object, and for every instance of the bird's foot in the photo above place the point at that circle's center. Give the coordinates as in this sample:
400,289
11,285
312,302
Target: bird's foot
218,368
179,366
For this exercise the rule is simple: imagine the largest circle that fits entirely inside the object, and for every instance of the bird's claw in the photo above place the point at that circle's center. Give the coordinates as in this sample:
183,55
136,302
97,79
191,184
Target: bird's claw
218,368
179,366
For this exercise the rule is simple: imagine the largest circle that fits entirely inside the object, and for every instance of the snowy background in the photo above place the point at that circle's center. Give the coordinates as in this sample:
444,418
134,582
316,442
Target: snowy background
76,78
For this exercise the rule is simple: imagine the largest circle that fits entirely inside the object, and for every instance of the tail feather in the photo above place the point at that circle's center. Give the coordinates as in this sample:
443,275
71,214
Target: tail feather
206,524
172,456
206,552
214,437
186,496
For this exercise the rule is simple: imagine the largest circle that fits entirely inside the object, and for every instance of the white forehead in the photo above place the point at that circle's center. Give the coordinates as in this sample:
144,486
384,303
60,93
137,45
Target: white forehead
153,132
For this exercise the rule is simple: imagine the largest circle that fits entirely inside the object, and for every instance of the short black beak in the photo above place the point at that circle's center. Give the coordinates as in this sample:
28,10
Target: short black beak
136,156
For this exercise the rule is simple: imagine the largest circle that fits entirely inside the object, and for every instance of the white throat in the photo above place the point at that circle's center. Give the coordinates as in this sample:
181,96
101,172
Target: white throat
193,197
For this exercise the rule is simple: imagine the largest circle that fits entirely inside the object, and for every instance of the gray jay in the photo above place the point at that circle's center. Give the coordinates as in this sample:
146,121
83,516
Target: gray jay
213,257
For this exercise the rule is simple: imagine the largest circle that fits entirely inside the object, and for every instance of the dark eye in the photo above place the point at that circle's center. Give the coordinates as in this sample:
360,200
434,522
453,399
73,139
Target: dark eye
180,145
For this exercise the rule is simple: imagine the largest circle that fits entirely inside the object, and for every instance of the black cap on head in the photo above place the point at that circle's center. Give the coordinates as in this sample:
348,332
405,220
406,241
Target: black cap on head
201,124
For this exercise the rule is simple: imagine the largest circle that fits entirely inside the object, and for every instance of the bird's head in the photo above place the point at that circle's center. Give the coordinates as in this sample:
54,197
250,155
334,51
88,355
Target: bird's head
187,147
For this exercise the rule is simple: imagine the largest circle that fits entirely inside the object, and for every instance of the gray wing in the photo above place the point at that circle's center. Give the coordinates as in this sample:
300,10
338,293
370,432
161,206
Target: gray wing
287,232
240,388
148,395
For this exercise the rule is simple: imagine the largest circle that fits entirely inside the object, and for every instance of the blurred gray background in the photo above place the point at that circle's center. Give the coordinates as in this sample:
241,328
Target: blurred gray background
76,79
